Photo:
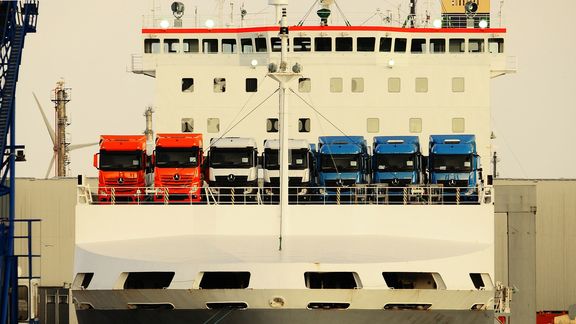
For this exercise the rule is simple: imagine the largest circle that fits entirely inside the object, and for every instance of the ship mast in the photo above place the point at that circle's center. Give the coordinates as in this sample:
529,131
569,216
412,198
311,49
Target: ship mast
282,75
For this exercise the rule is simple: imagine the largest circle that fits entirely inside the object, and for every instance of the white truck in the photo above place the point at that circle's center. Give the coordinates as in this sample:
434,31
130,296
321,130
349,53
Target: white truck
232,165
300,169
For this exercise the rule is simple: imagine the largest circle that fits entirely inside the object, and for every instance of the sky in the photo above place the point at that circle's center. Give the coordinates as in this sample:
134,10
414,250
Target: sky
89,45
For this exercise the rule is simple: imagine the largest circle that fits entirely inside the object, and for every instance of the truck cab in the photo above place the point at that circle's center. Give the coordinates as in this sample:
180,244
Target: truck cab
396,161
454,163
300,169
343,163
121,163
177,162
232,165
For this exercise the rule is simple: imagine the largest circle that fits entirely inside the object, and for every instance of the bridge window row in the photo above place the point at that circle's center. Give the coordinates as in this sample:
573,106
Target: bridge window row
336,85
304,125
325,44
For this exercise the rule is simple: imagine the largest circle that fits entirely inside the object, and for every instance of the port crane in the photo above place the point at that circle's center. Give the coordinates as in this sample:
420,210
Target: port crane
17,19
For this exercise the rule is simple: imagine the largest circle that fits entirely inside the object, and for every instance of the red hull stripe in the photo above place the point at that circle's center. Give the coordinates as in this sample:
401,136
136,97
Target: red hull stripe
320,28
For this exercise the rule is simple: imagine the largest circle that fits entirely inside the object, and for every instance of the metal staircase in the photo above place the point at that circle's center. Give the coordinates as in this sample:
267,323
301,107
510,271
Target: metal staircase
17,18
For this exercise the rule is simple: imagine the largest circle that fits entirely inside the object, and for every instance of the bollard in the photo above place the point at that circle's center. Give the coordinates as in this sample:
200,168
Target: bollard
232,198
113,196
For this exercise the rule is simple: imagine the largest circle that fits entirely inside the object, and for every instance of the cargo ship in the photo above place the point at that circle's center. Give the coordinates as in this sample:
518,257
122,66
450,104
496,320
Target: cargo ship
339,173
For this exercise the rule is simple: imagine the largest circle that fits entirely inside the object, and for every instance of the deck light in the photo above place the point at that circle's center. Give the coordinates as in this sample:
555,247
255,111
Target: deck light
391,63
437,23
483,23
164,24
254,63
209,23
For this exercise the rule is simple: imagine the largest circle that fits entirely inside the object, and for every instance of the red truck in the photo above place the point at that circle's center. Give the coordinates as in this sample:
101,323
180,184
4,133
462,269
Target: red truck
177,163
122,168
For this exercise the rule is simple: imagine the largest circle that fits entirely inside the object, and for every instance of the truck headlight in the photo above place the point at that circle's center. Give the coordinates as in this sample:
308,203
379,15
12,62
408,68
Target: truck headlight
322,191
303,191
268,191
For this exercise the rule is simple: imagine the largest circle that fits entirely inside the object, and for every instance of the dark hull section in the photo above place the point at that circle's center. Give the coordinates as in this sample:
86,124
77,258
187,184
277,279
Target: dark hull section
256,316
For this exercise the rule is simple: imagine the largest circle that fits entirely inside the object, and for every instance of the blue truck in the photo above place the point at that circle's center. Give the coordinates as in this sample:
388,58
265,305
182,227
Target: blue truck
343,163
397,164
396,160
453,162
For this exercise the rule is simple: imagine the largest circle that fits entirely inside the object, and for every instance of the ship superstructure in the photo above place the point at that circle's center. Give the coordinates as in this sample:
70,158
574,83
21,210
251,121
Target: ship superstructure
419,259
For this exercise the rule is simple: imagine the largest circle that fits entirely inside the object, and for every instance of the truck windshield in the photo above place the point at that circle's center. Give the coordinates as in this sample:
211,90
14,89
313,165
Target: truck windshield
297,159
232,158
177,157
340,162
120,160
452,163
395,162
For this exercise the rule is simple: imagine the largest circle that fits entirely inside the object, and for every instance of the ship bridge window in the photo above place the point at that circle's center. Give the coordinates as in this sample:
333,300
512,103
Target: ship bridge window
323,44
385,44
213,125
413,280
415,125
476,45
437,45
418,45
421,85
304,125
229,46
251,85
496,45
210,46
151,46
190,45
225,280
332,280
187,84
372,125
304,85
171,45
277,44
357,85
458,84
336,84
365,44
261,45
343,44
219,85
302,44
456,45
400,45
187,125
394,85
147,280
458,125
272,125
246,44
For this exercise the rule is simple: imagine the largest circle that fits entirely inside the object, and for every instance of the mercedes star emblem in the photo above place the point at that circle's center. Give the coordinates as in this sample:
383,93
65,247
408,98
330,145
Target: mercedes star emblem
231,177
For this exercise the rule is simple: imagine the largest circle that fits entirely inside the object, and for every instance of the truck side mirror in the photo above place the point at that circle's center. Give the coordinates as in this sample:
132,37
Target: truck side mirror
153,159
96,160
490,180
260,160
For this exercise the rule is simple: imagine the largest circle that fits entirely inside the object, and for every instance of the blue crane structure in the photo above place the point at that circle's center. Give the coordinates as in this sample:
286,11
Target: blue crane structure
17,18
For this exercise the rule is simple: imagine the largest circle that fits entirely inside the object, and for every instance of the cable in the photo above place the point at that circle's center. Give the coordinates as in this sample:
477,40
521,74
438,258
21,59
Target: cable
331,123
301,22
342,13
249,113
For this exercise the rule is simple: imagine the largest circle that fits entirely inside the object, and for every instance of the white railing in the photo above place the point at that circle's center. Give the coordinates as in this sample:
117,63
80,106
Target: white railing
354,195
